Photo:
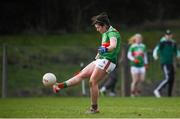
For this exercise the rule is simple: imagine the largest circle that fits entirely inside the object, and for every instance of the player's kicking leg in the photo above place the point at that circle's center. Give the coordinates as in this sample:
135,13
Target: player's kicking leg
85,73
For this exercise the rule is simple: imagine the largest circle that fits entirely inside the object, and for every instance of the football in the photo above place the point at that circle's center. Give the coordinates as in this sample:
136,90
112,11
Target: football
49,79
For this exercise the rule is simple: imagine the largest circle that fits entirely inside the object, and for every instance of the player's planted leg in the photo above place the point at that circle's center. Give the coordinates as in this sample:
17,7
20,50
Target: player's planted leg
97,75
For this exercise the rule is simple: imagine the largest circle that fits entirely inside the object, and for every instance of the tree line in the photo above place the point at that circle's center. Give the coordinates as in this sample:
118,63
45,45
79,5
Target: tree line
74,15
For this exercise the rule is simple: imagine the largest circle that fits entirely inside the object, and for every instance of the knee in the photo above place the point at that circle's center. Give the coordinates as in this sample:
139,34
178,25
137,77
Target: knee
133,82
92,83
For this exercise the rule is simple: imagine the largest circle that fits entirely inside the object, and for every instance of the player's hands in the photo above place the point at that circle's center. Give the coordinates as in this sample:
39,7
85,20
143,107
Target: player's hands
136,61
102,50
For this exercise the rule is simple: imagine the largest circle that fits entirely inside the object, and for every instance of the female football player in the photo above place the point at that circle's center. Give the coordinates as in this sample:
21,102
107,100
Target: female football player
105,61
138,60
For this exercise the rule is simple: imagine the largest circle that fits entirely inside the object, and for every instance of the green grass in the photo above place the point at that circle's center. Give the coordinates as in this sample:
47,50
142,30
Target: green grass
76,106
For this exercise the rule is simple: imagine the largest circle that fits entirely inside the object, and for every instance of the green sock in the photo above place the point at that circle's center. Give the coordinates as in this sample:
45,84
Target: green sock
62,85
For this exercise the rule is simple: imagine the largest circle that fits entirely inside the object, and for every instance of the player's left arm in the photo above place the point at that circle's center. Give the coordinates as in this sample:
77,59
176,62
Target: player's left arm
113,44
145,56
177,54
146,60
176,51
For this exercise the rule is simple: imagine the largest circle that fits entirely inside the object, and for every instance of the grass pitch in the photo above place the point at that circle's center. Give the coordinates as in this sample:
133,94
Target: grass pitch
75,107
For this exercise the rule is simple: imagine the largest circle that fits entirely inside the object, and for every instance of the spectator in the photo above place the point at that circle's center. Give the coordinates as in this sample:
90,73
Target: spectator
166,50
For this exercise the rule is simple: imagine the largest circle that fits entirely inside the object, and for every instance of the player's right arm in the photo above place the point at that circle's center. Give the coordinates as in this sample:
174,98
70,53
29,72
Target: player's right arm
113,43
155,52
156,49
129,55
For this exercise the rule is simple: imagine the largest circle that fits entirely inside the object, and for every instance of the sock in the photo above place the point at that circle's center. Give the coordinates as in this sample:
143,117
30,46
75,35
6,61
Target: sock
94,106
133,92
62,85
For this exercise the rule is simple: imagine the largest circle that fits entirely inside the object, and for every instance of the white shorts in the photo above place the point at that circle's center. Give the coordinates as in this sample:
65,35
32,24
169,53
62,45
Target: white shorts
105,64
138,70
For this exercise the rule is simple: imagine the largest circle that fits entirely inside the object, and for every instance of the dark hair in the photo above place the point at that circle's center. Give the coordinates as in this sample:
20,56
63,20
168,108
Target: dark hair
101,19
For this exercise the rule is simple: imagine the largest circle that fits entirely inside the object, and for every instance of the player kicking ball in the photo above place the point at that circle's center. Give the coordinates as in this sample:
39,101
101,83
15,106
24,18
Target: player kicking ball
105,61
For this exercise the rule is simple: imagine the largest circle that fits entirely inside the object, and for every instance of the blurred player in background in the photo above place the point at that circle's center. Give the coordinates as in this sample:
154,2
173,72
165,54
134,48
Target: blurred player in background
166,50
110,84
138,59
105,62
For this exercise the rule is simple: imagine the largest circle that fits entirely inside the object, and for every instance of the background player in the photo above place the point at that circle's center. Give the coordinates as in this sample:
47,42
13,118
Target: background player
110,84
138,60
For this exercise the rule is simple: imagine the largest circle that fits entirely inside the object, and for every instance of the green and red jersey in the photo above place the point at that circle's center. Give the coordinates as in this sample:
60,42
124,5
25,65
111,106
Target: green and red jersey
111,55
137,51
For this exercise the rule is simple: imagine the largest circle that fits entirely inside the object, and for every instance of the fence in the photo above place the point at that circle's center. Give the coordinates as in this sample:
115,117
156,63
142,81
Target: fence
24,66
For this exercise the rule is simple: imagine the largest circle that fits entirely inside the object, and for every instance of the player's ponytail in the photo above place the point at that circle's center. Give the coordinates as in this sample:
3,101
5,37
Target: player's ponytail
132,39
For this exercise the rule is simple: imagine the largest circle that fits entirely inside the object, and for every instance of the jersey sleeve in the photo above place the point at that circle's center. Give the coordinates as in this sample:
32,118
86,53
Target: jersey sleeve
145,55
129,54
112,34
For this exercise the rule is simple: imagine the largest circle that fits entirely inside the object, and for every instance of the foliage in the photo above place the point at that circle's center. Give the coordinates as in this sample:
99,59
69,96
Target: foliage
30,56
60,16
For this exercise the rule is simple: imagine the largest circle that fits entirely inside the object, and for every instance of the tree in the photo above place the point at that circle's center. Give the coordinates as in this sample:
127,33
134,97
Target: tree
76,10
